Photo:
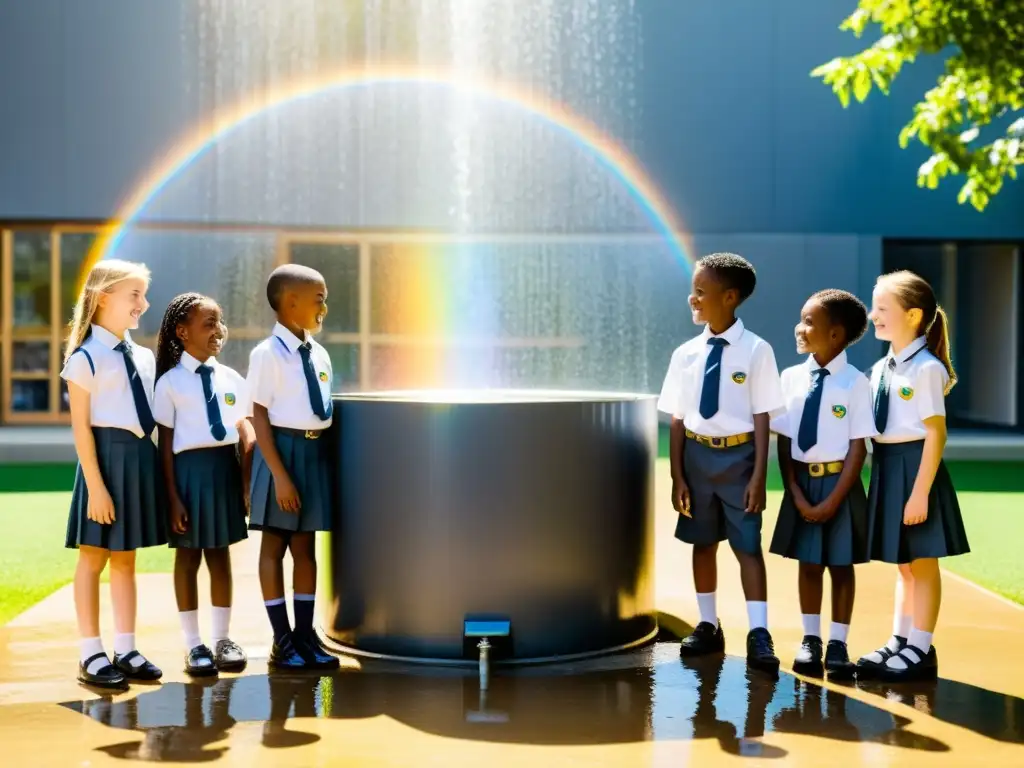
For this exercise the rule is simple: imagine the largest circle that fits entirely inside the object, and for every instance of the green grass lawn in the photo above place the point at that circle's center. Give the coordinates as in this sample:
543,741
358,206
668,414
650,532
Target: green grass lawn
34,563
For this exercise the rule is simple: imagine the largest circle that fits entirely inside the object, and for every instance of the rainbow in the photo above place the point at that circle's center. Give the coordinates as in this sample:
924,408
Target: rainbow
221,124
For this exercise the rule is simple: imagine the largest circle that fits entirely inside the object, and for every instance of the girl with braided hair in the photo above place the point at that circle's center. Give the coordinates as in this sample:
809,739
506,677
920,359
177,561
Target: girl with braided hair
201,408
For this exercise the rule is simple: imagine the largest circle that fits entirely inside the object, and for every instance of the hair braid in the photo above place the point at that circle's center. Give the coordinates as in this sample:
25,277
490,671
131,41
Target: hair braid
168,345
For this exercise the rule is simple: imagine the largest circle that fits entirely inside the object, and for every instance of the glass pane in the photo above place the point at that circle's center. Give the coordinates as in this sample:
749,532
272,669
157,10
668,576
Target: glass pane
345,361
30,396
30,357
31,262
339,264
65,401
74,247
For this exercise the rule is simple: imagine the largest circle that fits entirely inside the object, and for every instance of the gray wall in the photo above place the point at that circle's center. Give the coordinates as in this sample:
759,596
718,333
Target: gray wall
754,155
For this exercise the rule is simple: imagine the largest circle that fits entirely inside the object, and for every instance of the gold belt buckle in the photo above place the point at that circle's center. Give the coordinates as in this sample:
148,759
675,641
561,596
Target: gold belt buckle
816,470
312,434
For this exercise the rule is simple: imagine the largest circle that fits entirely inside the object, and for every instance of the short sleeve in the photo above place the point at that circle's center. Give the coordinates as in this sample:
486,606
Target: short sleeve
671,399
260,380
930,390
79,370
163,403
780,420
862,409
244,398
766,393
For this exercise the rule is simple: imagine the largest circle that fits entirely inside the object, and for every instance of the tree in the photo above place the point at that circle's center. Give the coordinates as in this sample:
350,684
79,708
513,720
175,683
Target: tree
972,121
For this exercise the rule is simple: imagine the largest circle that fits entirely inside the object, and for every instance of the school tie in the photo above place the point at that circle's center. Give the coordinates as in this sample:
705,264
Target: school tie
316,400
712,378
882,396
217,428
142,409
807,437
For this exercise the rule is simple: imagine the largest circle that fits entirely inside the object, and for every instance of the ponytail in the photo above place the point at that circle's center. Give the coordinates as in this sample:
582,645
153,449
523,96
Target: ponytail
937,339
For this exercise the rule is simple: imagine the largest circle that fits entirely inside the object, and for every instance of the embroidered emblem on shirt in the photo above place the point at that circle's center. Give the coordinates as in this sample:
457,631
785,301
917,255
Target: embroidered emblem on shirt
906,392
839,411
323,375
739,377
229,398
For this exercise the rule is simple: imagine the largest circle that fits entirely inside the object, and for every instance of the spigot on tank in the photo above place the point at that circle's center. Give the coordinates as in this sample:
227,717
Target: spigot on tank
484,646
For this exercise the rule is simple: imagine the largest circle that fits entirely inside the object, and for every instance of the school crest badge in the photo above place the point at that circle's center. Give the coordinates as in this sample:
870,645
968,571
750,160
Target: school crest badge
839,411
229,398
906,392
739,377
323,376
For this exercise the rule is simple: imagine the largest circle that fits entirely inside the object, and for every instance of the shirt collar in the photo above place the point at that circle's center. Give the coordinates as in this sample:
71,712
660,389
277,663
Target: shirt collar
732,335
835,365
911,349
106,338
290,340
190,364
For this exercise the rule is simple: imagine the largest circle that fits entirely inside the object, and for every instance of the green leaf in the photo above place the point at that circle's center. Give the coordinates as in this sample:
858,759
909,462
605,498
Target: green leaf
862,84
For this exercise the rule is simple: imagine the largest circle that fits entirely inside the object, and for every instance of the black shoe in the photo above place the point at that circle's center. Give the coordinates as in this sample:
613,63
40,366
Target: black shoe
107,676
837,661
199,662
147,671
868,668
309,645
808,658
230,657
920,666
285,656
705,639
761,651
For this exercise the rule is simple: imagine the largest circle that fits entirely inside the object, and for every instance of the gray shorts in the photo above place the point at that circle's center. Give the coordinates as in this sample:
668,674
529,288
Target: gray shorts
717,478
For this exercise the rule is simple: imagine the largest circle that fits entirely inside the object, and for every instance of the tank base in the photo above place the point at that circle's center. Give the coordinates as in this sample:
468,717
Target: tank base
348,650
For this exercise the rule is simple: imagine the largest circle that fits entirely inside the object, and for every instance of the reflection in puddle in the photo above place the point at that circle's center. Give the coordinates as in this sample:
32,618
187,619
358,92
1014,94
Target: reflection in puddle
645,695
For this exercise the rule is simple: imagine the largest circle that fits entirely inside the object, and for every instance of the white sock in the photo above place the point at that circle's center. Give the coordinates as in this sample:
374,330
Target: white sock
901,624
838,632
190,628
812,623
706,604
125,643
221,618
920,639
89,647
757,614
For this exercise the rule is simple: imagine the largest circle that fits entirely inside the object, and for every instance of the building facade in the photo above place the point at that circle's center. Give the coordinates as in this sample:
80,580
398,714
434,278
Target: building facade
751,154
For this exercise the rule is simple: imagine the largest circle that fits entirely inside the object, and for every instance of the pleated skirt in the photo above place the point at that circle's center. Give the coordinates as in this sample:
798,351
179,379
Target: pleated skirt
308,463
841,540
894,469
130,469
209,483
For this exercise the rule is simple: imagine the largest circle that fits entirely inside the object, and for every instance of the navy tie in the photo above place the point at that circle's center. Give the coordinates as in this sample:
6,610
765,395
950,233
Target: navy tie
316,400
807,437
882,396
712,378
142,409
212,406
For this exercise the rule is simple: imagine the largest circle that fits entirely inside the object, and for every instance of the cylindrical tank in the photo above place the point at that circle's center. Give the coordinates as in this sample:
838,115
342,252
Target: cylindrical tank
535,507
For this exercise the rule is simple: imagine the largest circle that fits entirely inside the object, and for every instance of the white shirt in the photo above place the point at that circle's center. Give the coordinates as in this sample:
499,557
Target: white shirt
916,391
110,392
846,411
180,403
749,383
277,380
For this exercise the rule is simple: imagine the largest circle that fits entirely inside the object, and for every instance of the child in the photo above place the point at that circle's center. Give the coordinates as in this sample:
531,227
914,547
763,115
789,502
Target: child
913,514
116,505
721,389
201,409
823,518
290,387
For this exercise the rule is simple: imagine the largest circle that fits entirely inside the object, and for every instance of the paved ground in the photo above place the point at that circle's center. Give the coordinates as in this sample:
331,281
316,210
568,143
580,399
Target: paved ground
639,709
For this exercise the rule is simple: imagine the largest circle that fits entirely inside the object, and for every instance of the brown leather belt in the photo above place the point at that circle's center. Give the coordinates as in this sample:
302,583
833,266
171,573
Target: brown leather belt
302,434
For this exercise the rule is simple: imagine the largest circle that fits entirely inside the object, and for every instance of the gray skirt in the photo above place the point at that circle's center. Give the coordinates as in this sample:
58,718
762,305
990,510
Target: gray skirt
841,540
131,472
209,483
308,463
893,471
